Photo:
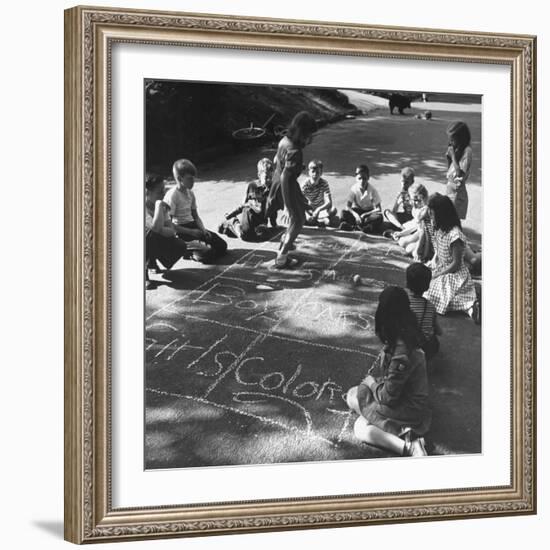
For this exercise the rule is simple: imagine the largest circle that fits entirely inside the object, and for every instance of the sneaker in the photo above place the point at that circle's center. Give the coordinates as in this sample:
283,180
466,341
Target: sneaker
414,447
417,447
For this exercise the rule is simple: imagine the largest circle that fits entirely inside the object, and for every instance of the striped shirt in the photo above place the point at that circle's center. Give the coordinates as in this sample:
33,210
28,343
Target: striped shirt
425,318
315,192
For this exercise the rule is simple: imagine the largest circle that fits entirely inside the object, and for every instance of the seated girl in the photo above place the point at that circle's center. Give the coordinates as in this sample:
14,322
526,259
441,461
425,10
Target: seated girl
392,403
452,288
410,237
248,221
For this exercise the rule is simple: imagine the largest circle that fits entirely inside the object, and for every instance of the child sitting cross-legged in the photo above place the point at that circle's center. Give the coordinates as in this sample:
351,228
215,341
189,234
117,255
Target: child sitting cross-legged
401,211
392,403
265,169
248,221
316,190
363,208
419,277
206,246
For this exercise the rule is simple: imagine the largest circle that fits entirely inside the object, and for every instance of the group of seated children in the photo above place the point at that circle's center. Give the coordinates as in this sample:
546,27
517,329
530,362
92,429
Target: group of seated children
173,227
392,400
428,228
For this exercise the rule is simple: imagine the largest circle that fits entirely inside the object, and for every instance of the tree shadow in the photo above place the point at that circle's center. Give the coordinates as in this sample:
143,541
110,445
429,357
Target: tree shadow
314,316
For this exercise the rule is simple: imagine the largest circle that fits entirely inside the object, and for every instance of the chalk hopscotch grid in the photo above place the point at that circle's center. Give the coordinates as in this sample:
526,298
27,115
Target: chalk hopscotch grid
260,338
252,251
268,333
265,419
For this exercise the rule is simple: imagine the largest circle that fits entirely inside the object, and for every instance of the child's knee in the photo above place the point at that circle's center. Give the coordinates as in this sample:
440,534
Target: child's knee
352,399
218,244
362,429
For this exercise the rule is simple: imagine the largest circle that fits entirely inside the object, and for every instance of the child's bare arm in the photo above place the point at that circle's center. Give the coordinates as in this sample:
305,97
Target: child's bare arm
457,250
198,221
327,205
395,206
349,208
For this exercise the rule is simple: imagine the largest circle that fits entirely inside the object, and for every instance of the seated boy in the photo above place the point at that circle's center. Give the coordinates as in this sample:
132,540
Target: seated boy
363,210
265,177
419,277
160,233
317,193
402,207
183,208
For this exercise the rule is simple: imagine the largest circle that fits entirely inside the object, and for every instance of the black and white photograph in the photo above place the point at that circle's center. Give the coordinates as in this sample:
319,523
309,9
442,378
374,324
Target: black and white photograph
312,273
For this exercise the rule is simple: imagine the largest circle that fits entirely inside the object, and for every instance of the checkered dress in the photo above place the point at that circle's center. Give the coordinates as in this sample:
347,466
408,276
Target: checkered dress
451,291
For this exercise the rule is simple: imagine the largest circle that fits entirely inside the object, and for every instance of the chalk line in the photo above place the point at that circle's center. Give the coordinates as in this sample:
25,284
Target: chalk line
179,348
162,324
307,416
261,247
197,360
348,414
261,337
264,419
166,347
278,336
233,366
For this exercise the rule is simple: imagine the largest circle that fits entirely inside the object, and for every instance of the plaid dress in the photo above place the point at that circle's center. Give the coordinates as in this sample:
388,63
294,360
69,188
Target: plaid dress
451,291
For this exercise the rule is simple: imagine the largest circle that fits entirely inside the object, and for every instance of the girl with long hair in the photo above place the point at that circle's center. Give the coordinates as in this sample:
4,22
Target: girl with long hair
392,403
285,189
459,161
452,288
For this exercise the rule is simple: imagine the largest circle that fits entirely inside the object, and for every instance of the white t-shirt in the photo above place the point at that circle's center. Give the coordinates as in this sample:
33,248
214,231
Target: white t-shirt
366,200
182,203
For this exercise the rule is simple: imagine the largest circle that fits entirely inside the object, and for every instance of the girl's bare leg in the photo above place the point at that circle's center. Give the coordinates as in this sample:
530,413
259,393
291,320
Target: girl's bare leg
352,400
411,248
409,239
379,438
294,228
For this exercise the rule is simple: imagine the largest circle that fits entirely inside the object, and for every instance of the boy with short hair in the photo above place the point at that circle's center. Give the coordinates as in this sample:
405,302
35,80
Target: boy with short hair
363,209
183,209
265,169
419,277
316,190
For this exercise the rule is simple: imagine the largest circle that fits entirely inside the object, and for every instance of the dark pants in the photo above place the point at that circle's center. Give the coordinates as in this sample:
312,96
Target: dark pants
371,224
253,226
167,250
216,246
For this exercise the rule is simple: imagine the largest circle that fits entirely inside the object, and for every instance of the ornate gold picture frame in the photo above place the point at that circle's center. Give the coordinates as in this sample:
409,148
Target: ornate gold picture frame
90,34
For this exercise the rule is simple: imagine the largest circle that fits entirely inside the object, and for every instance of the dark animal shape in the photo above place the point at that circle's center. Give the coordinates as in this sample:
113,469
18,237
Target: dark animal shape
400,101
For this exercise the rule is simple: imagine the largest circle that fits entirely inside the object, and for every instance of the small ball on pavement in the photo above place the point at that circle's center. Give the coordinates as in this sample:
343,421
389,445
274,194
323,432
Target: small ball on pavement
356,280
